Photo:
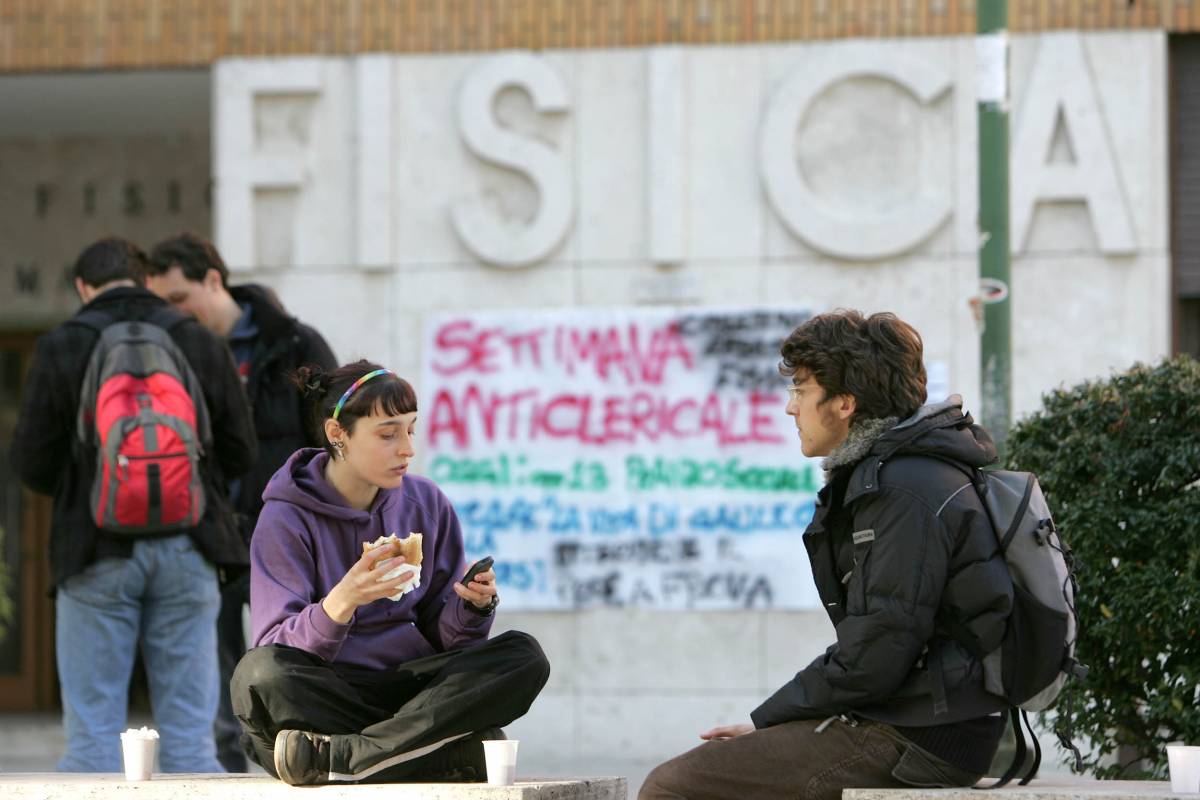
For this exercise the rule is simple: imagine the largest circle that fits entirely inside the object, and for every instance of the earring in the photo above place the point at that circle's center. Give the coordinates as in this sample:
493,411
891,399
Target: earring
339,448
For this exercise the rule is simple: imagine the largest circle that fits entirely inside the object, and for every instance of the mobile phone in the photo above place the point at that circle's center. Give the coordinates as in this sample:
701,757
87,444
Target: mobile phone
482,565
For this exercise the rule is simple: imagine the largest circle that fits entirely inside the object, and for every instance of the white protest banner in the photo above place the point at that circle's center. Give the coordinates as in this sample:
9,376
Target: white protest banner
636,457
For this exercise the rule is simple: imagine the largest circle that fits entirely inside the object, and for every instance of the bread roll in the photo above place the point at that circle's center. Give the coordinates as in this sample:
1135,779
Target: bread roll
410,546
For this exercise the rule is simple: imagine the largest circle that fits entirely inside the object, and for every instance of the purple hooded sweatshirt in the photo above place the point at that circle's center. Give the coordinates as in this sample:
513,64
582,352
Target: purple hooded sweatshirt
308,537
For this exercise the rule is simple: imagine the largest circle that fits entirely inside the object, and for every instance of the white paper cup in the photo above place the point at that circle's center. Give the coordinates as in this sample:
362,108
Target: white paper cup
1185,768
501,758
139,756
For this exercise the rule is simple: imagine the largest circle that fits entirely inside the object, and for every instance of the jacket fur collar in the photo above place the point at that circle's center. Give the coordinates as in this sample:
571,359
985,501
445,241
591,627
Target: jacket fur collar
861,438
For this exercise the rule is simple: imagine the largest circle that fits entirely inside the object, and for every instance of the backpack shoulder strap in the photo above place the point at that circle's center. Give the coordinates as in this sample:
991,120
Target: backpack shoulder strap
93,319
974,474
96,321
166,317
163,317
1019,757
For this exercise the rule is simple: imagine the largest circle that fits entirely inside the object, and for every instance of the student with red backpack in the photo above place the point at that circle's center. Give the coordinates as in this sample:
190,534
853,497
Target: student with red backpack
133,418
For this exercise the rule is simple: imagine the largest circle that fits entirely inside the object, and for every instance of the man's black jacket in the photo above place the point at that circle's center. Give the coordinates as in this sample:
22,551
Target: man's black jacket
904,557
45,455
283,344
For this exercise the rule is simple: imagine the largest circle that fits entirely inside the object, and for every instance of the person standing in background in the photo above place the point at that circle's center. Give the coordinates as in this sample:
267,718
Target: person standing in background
268,345
138,534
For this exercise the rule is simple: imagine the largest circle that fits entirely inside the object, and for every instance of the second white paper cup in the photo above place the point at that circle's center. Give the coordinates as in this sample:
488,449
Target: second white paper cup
139,756
1185,769
501,758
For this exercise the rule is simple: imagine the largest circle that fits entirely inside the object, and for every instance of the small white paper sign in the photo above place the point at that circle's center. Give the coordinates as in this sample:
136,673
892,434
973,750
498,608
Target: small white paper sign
991,68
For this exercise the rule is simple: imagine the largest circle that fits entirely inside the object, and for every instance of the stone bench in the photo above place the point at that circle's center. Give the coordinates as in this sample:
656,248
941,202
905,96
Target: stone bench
1051,788
38,786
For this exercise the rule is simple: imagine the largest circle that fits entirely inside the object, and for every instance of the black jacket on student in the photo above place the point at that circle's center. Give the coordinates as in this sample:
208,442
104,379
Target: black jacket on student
908,568
283,344
45,456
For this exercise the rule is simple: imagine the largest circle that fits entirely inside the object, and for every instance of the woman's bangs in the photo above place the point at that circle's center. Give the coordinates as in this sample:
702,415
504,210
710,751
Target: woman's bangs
389,397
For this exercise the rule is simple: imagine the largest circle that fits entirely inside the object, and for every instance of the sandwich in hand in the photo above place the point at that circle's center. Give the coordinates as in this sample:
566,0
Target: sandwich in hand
409,550
410,546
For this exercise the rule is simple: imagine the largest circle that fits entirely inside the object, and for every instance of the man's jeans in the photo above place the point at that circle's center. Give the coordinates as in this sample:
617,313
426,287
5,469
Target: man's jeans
165,599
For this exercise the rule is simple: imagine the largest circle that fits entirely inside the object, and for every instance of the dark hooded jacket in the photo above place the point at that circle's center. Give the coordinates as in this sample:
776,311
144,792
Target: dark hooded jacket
908,569
283,344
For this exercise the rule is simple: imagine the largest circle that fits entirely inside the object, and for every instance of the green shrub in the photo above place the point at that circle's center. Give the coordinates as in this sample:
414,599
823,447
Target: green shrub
1120,463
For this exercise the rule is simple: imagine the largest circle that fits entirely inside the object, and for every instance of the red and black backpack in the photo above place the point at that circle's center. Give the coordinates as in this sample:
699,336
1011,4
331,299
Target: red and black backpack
142,411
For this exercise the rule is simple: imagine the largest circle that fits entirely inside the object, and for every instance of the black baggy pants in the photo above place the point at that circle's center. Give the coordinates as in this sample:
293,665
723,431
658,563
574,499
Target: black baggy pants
384,723
231,646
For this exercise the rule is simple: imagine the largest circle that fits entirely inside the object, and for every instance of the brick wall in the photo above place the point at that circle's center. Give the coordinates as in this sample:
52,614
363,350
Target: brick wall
113,34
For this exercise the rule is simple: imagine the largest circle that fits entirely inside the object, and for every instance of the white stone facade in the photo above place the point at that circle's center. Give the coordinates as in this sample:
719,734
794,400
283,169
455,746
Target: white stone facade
375,190
831,174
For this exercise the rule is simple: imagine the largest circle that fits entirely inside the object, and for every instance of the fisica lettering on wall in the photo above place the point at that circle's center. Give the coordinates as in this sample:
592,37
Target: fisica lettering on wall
622,457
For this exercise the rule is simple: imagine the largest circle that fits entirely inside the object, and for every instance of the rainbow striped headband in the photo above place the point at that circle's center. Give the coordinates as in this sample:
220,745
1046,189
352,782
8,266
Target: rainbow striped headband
338,408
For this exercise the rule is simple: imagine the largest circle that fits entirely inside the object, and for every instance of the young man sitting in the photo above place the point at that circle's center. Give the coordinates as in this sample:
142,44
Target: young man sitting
906,565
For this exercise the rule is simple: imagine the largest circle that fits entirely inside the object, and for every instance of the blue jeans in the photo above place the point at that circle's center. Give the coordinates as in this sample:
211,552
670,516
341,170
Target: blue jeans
165,599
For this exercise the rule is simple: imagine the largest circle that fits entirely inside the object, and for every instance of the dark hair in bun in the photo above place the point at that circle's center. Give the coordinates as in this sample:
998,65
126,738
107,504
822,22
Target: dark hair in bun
320,390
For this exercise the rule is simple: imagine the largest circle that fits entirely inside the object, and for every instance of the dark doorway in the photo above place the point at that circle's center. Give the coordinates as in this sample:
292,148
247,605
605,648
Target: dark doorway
27,674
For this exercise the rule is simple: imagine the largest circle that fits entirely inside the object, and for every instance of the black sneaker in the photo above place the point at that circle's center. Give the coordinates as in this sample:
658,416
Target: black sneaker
460,761
302,758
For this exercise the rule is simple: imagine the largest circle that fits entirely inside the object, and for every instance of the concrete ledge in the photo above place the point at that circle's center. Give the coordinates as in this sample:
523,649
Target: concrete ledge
44,786
1058,788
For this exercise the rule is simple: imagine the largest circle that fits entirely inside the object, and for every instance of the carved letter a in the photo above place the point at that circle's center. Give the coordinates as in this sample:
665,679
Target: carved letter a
1062,83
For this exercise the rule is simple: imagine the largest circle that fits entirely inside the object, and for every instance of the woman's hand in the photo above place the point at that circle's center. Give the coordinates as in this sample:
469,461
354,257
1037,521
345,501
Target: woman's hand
361,585
480,591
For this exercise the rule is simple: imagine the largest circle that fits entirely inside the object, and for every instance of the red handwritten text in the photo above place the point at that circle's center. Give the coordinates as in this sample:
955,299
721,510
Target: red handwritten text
636,353
475,416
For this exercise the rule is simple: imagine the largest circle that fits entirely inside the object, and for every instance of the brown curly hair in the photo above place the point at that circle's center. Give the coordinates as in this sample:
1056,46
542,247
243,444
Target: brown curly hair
877,359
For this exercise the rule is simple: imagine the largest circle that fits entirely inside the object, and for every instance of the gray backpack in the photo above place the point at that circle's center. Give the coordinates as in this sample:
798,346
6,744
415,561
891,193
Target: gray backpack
1037,655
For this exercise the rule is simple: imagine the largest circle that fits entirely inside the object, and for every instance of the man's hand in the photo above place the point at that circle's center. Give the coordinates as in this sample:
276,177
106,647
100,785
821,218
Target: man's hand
726,732
359,586
480,590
